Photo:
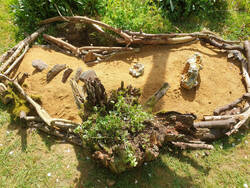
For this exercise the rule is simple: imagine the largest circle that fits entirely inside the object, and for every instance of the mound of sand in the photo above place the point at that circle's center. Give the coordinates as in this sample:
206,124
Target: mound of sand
221,80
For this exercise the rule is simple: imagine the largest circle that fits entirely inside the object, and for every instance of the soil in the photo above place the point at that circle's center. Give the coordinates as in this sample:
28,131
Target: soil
220,79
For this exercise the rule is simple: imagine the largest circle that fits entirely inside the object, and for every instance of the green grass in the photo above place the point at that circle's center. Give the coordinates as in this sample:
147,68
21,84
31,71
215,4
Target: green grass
28,156
7,28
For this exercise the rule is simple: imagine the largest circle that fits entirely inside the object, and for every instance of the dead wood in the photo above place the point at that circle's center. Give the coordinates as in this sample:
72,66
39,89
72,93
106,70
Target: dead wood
184,145
152,101
69,137
221,124
85,19
7,54
78,74
62,44
231,105
78,95
66,74
54,71
20,47
105,48
247,52
17,61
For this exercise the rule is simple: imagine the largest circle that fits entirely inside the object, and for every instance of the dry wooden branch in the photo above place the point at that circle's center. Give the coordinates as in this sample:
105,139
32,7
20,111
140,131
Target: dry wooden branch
16,62
85,19
184,145
178,40
62,44
7,54
247,50
201,35
228,123
105,48
21,45
224,46
71,138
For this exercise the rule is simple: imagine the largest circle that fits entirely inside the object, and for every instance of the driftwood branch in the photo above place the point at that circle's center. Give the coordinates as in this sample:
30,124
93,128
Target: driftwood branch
127,38
17,61
20,47
62,44
184,145
247,52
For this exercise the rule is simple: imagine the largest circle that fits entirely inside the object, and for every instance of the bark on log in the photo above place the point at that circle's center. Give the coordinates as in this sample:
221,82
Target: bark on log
78,95
247,49
221,124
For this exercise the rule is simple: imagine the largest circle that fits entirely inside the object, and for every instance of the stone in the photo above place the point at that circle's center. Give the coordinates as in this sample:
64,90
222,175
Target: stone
66,74
90,74
78,74
190,73
89,57
137,70
39,65
54,71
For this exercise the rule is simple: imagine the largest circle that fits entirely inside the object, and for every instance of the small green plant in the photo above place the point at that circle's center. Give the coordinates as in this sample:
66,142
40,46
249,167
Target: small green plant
135,15
114,127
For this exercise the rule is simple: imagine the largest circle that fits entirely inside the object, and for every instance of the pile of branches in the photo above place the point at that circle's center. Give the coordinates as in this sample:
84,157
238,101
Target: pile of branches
144,143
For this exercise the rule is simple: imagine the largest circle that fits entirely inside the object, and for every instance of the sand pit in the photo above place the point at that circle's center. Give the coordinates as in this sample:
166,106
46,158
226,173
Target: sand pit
221,80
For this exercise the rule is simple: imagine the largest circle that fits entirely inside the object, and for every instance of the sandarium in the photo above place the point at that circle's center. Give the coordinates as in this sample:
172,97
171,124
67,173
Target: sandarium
182,117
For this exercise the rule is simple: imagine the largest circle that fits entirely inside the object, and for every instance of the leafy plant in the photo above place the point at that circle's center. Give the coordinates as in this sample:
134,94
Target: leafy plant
135,15
114,127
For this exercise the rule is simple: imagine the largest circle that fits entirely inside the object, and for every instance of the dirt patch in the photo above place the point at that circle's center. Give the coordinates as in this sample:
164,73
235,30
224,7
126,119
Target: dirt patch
221,80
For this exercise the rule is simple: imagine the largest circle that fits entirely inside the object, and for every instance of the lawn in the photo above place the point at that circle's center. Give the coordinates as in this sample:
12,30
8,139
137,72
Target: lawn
32,159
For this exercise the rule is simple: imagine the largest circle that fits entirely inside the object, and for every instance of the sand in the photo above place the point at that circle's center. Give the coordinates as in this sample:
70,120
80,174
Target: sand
221,80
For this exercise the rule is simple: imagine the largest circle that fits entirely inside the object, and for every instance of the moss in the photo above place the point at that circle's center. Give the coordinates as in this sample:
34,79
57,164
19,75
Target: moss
17,103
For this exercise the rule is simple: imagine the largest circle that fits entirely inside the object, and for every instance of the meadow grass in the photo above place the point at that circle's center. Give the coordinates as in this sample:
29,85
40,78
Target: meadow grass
33,159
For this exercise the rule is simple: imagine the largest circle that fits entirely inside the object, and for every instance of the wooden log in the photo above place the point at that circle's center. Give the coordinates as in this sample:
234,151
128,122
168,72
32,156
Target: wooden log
62,44
21,45
247,49
221,124
184,145
245,75
151,102
17,61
